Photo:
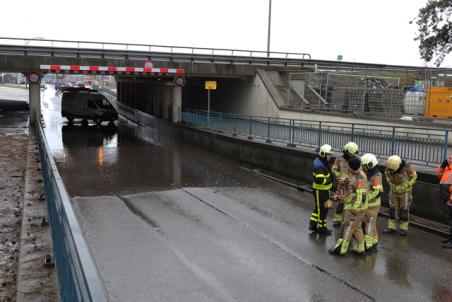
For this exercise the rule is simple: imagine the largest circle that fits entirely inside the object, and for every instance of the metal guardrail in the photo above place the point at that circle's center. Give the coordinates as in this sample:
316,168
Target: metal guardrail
108,92
92,49
78,277
40,46
421,146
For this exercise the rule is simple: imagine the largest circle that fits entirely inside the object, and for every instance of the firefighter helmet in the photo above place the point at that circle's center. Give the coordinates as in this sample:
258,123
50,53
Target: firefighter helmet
393,163
369,160
351,148
325,149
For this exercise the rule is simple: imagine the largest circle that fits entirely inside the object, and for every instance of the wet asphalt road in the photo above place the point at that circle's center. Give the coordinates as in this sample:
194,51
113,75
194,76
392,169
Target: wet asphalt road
167,221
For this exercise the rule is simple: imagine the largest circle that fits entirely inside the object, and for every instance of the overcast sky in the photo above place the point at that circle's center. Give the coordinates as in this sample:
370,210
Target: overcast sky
360,30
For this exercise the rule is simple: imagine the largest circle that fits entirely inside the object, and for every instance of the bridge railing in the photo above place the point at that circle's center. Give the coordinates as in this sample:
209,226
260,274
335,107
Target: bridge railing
421,146
32,44
78,277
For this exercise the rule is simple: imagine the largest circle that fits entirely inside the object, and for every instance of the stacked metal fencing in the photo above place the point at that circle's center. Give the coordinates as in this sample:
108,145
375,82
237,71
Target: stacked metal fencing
348,94
78,277
421,146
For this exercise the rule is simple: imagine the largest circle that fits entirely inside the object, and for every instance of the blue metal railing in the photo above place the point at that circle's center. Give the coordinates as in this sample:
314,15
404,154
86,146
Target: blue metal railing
421,146
78,277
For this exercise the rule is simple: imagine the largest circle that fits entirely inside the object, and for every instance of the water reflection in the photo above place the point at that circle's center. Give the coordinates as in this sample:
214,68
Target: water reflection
89,136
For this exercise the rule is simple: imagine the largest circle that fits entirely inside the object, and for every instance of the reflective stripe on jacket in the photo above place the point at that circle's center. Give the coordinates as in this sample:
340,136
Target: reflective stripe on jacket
402,180
356,198
375,187
445,176
322,176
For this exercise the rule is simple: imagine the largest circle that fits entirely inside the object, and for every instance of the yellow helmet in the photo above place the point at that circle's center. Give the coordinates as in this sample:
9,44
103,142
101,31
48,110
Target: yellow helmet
351,148
393,163
369,160
325,149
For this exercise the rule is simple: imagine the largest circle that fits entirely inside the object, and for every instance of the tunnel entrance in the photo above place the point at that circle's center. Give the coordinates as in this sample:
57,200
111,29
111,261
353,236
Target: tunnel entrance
229,97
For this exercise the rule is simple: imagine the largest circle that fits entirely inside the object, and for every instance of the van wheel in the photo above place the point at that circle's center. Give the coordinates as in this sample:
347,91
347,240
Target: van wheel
97,120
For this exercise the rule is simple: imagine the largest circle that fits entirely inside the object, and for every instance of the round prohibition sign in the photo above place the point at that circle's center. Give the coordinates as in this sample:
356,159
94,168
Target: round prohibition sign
33,77
179,81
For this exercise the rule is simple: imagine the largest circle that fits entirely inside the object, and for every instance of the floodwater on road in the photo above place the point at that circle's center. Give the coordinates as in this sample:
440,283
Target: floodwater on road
167,221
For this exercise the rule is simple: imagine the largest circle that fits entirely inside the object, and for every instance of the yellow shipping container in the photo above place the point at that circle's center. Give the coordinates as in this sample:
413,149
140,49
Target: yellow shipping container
439,102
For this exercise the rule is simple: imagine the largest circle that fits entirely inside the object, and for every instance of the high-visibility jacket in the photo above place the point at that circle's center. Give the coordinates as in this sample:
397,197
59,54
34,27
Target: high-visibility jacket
340,168
375,187
445,176
356,198
402,180
321,175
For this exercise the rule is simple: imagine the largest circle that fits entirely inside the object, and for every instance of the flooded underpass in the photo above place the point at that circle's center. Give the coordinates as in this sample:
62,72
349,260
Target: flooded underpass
167,221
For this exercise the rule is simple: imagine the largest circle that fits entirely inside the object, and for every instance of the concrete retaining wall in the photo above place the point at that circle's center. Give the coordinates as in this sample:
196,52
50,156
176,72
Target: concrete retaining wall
297,164
291,162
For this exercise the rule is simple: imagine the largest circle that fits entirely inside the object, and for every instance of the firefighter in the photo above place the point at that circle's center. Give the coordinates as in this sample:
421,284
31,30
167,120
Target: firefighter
369,164
342,173
444,172
355,205
401,177
321,186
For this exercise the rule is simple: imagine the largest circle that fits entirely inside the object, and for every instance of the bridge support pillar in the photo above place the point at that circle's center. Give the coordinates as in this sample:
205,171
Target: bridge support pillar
34,102
176,103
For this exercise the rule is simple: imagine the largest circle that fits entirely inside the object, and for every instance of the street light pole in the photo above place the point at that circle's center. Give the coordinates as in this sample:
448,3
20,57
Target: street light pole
269,26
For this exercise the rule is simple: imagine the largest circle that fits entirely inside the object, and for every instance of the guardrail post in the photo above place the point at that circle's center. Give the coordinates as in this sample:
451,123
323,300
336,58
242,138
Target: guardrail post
353,132
235,127
393,141
268,131
320,135
250,134
197,119
446,143
220,120
291,134
208,119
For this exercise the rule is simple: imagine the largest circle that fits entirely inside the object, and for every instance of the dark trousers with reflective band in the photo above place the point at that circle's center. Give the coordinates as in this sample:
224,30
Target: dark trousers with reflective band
318,216
444,194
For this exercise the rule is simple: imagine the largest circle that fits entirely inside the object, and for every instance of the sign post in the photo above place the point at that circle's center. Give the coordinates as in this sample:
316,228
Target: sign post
209,85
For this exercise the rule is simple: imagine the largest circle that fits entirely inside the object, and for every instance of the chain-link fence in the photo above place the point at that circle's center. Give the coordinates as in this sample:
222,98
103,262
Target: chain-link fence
347,94
363,95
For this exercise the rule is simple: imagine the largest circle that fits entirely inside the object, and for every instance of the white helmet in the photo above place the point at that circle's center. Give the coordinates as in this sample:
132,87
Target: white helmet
393,163
351,148
325,149
369,160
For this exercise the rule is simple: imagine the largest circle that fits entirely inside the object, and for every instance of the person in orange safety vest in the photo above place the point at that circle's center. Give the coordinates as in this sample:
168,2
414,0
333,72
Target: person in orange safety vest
444,172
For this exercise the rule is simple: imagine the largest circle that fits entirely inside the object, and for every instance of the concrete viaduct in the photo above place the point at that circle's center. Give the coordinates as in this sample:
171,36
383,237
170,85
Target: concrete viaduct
237,72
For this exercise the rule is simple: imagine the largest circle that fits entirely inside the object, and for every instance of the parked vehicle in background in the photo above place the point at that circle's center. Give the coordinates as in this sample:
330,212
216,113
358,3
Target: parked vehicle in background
58,86
86,104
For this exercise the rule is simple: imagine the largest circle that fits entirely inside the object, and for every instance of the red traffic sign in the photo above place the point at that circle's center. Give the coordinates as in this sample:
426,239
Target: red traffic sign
33,77
179,81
